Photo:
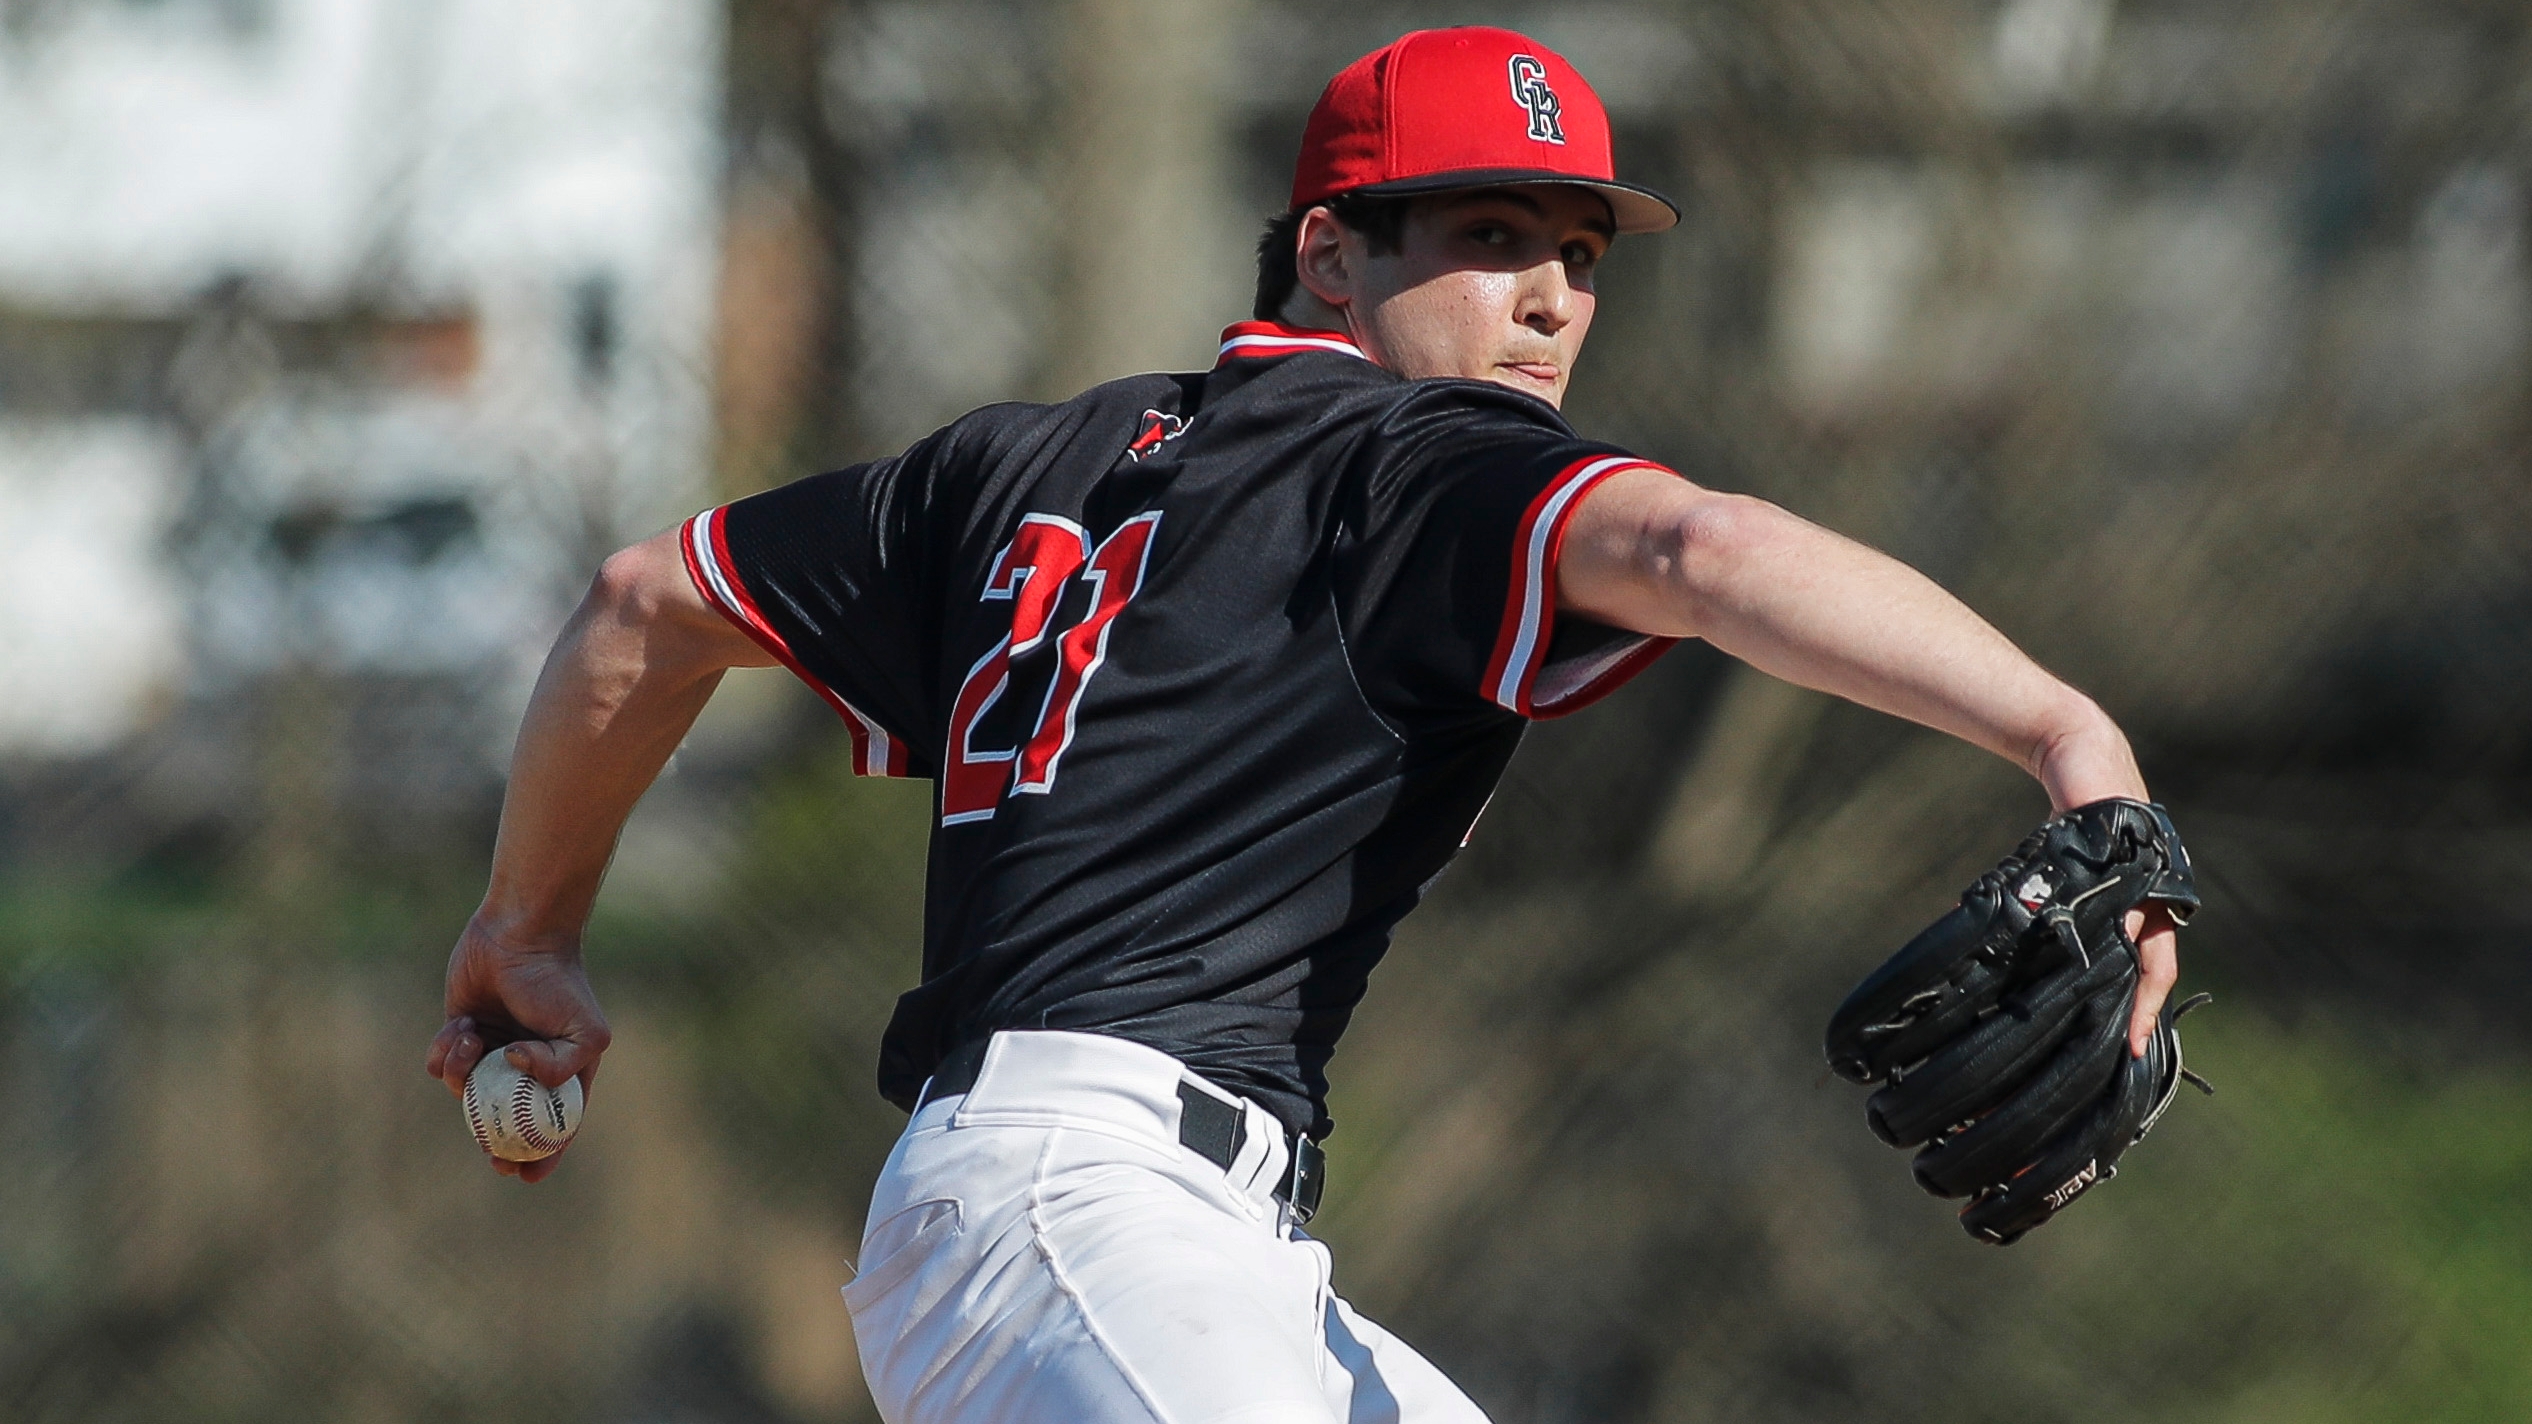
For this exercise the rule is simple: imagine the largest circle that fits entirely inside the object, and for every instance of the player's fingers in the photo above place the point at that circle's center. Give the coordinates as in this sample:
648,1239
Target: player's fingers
464,1050
2158,946
551,1060
539,1169
441,1042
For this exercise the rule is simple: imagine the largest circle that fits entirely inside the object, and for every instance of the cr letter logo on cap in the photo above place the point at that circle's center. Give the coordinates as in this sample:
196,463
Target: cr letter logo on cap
1530,91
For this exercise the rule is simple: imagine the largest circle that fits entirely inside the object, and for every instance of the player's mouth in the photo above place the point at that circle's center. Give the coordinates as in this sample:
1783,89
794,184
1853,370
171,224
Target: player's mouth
1544,373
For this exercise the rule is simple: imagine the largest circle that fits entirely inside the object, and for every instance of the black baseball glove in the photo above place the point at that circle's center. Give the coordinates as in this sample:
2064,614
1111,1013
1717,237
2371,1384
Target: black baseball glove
2000,1033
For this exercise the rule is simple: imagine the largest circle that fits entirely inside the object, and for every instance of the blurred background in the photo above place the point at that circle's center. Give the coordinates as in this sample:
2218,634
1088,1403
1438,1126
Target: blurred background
339,339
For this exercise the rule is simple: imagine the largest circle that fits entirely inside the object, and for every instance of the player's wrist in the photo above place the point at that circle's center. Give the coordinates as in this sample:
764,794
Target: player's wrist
514,934
2083,757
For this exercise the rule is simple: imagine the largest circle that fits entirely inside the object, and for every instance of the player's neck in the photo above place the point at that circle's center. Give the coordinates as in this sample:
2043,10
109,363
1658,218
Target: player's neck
1304,309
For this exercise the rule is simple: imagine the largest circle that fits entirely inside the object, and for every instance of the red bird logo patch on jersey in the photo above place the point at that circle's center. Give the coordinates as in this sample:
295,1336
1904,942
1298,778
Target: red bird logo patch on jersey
1156,428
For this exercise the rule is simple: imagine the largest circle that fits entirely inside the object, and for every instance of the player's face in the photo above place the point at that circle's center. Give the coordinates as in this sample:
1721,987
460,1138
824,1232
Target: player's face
1494,284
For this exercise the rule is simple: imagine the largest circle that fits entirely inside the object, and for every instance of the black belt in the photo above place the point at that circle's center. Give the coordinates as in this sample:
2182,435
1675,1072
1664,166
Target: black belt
1207,1126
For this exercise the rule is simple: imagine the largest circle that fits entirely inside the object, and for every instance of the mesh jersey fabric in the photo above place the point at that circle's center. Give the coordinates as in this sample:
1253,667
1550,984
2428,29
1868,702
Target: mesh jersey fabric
1213,672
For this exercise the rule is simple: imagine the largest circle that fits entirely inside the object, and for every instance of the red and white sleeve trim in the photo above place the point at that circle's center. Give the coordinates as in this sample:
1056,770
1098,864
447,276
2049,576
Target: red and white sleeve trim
1260,339
1518,677
876,752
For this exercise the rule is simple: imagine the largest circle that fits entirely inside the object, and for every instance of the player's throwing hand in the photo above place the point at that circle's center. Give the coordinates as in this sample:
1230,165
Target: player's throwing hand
534,1000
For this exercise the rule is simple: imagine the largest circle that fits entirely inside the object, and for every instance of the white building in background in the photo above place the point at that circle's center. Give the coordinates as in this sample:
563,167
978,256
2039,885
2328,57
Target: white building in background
335,332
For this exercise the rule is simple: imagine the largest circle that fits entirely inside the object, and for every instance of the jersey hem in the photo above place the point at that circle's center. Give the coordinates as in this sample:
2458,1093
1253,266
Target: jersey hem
705,541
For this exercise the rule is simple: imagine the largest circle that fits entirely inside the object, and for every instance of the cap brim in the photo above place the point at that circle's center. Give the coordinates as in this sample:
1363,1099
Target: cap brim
1634,209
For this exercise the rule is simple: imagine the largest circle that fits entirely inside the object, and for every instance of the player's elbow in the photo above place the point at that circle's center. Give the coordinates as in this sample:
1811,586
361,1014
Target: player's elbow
1714,547
643,596
637,585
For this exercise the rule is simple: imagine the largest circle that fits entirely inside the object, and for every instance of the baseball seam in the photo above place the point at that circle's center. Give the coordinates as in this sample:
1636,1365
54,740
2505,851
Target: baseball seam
523,1122
475,1121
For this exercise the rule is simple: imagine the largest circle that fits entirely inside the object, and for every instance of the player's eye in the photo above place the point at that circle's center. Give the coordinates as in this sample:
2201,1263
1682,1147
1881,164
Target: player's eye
1581,255
1490,234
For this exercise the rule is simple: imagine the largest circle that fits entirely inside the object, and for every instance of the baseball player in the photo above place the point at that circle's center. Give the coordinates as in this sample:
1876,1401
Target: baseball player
1213,673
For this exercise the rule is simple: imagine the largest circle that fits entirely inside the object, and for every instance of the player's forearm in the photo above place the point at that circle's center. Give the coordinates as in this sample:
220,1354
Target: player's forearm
1801,603
618,692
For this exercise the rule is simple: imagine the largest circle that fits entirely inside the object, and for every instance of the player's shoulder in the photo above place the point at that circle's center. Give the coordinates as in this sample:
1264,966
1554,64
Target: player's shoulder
1464,426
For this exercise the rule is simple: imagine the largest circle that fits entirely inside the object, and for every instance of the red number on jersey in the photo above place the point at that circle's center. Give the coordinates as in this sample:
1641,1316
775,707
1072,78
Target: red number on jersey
1031,571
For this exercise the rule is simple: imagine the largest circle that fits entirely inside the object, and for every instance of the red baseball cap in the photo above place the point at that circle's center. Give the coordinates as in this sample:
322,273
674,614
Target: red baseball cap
1464,108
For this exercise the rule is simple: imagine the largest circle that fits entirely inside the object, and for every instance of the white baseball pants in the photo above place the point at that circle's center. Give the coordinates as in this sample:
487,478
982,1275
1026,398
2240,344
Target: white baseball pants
1041,1250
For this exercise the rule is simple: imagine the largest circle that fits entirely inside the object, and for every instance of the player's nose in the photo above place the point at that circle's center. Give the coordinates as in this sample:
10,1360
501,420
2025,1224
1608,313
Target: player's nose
1547,301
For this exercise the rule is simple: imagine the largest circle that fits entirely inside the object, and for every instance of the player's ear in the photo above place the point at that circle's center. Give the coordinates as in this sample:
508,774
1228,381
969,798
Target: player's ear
1321,258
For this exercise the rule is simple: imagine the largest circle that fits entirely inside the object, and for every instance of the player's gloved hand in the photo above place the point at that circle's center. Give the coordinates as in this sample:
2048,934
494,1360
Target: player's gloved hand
2004,1036
532,1001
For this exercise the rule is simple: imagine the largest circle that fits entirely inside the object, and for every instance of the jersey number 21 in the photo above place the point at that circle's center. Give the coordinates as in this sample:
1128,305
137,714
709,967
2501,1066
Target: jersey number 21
1031,573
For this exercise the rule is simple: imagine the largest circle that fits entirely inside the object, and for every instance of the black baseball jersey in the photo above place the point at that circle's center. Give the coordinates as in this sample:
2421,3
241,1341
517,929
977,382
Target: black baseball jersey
1213,673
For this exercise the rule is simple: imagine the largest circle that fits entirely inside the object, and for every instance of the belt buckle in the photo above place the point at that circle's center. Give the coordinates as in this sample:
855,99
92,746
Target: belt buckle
1303,1180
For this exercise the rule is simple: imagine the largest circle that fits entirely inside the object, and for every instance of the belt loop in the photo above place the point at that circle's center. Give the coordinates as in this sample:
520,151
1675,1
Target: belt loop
1210,1127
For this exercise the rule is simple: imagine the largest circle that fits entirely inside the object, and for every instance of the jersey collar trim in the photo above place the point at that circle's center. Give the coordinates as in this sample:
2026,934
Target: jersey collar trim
1260,340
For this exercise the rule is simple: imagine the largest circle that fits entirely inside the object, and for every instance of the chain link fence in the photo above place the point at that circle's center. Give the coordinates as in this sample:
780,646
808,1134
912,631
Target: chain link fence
2186,341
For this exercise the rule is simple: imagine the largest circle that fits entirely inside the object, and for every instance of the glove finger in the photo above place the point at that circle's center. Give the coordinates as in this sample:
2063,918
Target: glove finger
1926,993
1942,1016
1990,1150
2081,871
2074,1164
1985,1065
2089,1155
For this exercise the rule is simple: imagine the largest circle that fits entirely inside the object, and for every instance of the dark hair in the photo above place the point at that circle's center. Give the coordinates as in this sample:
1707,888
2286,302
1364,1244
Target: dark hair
1381,221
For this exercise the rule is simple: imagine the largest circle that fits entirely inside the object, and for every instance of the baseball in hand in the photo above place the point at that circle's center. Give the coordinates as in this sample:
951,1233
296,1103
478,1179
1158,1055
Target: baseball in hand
513,1116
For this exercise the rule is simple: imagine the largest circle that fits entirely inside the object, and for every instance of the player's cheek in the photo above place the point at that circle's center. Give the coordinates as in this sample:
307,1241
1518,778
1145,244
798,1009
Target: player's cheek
1580,306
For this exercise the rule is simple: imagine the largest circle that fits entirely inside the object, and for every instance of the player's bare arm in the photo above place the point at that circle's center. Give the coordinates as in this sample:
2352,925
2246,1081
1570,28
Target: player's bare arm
1658,554
635,664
